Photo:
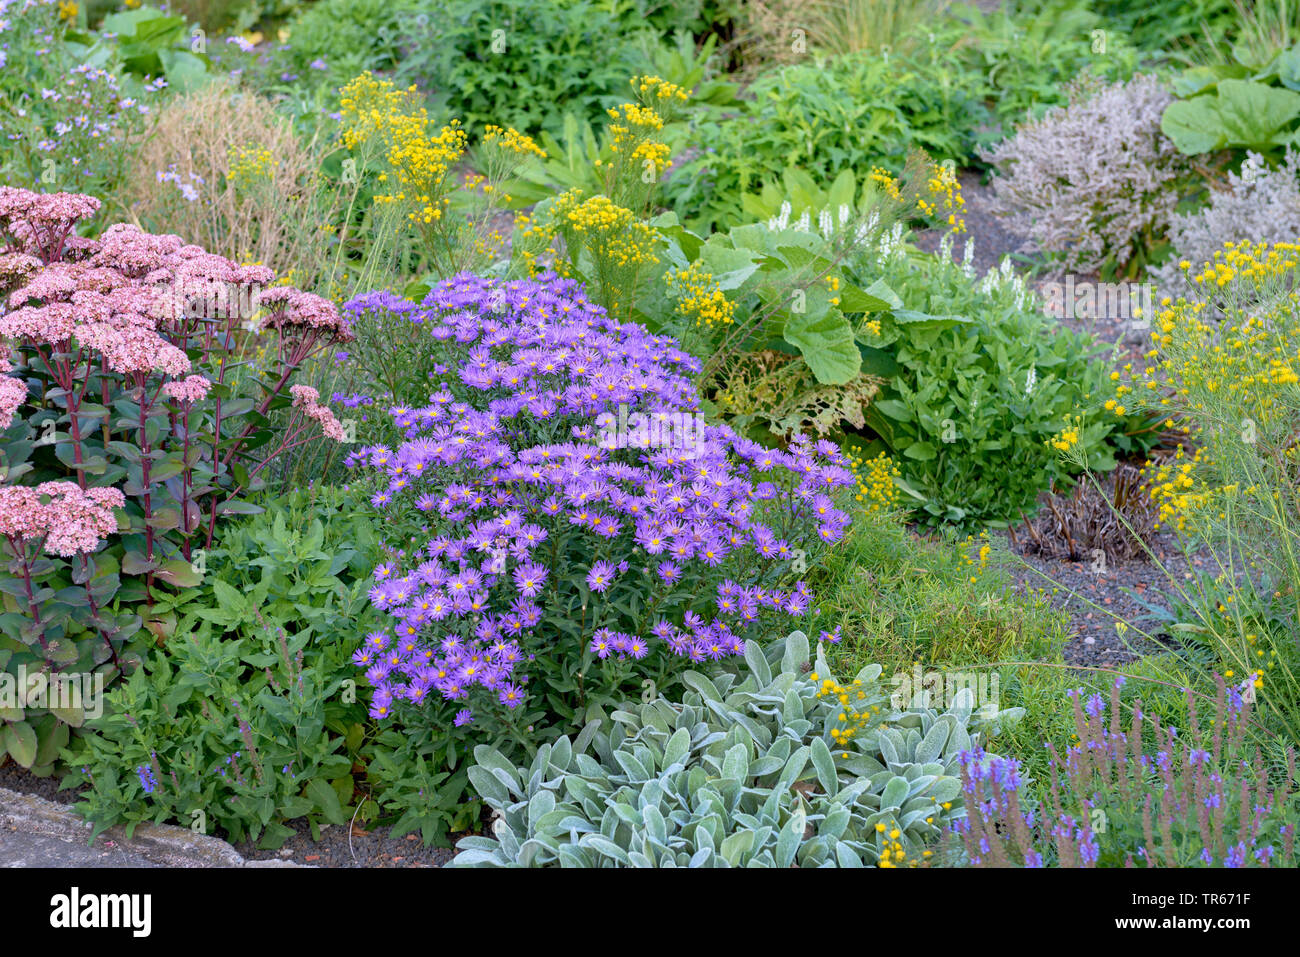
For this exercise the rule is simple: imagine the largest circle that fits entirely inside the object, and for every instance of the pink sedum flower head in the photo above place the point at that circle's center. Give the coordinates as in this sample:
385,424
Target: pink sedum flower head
190,389
13,393
66,519
42,222
308,399
289,308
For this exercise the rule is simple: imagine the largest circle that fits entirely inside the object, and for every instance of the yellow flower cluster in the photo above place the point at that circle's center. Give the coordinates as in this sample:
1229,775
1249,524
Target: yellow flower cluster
633,122
1171,484
1233,368
981,560
422,163
418,158
512,141
699,297
250,164
598,215
939,198
850,720
612,231
652,89
653,156
833,284
884,179
489,247
67,10
1068,437
877,482
892,852
945,197
366,103
1251,261
634,247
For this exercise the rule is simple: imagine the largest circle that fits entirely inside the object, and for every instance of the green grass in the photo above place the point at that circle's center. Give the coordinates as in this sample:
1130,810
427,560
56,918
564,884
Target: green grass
901,600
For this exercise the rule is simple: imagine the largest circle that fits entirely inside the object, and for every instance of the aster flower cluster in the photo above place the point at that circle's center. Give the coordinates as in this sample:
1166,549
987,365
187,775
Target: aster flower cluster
551,547
67,120
1200,799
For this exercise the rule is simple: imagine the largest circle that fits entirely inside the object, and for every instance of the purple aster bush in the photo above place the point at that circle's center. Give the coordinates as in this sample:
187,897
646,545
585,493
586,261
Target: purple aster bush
570,531
1144,795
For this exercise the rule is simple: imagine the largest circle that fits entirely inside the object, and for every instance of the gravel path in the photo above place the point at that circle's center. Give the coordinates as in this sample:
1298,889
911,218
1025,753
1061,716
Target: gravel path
1093,599
1096,599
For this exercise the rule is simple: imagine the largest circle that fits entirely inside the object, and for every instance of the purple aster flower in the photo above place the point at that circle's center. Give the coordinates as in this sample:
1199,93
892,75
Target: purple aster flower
600,576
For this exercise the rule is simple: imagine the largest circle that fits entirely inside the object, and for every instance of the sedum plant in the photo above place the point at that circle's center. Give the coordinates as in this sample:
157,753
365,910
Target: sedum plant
766,766
129,425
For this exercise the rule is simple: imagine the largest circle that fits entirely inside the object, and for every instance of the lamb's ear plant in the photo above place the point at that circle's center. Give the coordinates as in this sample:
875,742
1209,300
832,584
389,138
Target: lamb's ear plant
772,764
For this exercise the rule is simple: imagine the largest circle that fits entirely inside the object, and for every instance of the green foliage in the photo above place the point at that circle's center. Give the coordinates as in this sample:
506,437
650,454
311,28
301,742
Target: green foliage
899,599
1028,56
235,16
744,772
1162,26
1231,107
978,382
418,777
494,62
577,157
848,112
775,279
351,36
248,717
144,42
213,736
696,17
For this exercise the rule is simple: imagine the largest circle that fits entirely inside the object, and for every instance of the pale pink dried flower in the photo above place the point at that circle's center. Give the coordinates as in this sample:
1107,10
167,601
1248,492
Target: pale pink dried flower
1088,177
13,393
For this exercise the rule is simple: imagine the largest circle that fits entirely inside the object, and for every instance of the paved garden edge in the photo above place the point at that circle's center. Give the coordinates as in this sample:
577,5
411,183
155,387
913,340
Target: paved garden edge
35,832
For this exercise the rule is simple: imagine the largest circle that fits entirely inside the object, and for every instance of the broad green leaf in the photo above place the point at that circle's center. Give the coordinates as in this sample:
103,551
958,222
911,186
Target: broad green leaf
20,741
824,338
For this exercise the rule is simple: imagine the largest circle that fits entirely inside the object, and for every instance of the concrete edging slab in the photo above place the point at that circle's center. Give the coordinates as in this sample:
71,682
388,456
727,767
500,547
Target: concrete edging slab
161,845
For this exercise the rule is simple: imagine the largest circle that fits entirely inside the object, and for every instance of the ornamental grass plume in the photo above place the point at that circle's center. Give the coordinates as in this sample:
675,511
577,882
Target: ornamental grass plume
246,184
571,546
